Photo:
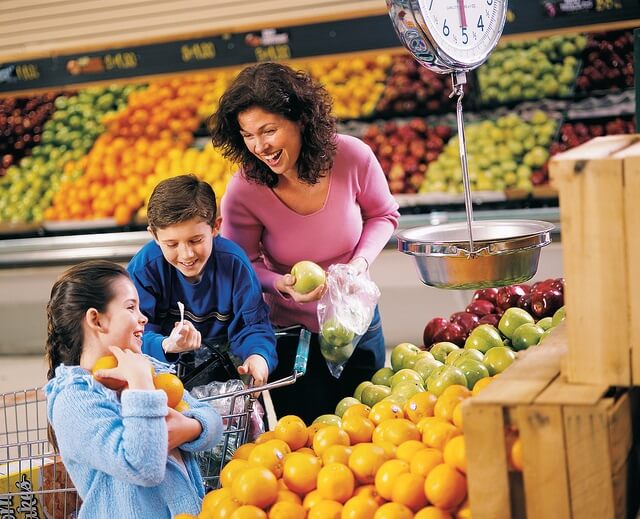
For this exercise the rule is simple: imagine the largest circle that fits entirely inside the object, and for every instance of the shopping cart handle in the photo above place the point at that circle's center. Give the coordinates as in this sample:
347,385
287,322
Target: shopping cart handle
302,353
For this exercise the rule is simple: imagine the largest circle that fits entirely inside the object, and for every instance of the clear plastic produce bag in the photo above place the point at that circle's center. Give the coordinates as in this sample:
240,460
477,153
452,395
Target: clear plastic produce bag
345,312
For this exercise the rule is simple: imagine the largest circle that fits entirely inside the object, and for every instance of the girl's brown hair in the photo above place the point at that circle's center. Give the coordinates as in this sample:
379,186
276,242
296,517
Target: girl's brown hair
280,90
83,286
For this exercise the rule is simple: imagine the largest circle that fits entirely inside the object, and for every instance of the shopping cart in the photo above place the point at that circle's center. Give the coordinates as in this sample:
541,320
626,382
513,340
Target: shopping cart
33,481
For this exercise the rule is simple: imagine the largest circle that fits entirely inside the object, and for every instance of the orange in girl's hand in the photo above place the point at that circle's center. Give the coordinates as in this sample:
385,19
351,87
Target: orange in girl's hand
108,362
172,386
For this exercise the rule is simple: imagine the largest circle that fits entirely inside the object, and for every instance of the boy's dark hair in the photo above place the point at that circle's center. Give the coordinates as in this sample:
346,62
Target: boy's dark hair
83,286
178,199
278,89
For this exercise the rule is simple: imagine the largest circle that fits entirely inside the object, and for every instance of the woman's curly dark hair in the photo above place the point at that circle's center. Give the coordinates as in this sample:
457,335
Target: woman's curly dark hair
278,89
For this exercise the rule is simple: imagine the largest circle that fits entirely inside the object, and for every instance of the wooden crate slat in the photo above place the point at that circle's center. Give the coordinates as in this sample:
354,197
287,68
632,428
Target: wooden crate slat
560,392
544,462
487,469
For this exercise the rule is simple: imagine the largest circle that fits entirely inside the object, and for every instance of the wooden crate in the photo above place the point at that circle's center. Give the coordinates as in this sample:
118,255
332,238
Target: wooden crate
576,443
599,189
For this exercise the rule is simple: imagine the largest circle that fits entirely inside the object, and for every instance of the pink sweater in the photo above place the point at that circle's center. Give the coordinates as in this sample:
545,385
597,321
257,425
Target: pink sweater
357,219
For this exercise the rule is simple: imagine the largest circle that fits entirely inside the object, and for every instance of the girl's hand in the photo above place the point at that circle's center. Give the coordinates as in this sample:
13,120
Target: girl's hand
181,428
133,368
285,285
184,337
257,367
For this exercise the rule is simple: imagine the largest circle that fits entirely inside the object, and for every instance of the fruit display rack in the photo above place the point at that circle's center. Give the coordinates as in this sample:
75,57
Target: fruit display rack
95,154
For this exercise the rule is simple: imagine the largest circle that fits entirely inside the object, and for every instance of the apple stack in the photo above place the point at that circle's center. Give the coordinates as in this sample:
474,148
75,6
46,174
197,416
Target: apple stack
608,63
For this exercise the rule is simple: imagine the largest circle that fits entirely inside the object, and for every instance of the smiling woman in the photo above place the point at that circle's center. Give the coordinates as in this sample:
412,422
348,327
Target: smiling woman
303,192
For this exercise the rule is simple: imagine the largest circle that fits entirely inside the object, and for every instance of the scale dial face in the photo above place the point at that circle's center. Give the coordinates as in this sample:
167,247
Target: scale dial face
462,32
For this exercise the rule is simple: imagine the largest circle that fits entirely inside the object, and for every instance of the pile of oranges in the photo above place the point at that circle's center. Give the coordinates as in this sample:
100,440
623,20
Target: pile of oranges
384,462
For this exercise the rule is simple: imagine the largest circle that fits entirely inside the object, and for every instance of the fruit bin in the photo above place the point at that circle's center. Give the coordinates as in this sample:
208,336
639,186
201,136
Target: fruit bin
599,186
578,457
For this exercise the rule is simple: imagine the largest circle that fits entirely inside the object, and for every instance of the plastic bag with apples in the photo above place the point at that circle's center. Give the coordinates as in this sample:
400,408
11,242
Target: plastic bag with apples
345,312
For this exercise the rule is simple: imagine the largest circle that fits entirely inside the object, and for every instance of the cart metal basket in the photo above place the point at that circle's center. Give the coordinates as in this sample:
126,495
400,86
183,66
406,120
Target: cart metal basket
33,481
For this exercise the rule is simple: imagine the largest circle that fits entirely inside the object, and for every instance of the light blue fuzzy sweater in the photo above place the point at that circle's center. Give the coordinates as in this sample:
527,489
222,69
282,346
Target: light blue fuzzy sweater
116,450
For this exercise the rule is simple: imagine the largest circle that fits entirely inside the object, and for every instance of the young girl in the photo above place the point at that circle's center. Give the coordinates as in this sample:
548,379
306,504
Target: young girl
128,454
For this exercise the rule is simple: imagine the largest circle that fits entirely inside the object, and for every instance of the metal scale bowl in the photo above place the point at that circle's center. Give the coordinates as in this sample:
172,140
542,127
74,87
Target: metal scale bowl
463,255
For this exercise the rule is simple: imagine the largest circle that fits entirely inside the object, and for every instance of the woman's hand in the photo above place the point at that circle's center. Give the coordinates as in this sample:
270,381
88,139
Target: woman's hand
184,337
256,366
133,368
285,285
181,428
359,264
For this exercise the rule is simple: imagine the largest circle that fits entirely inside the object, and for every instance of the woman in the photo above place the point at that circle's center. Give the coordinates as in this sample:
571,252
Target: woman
303,192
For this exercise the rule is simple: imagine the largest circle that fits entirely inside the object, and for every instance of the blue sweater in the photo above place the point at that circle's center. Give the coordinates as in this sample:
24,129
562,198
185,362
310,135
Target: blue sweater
116,451
227,301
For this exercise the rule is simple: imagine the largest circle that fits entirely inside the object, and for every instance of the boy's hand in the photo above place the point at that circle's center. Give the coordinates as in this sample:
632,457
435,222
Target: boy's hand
181,429
285,285
257,367
184,337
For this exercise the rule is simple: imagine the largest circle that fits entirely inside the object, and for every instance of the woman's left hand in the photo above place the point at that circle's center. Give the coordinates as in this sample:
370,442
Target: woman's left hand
359,264
181,428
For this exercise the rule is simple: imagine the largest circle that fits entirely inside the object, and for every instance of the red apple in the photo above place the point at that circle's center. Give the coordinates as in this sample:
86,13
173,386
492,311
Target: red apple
452,333
480,307
486,294
434,326
525,302
544,304
508,296
492,319
467,320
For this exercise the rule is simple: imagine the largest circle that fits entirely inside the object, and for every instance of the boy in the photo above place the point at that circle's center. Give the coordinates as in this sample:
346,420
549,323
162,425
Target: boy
187,261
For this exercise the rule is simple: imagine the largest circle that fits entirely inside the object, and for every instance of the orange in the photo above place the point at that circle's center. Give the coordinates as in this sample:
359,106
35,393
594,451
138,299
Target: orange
336,482
516,454
336,454
406,450
455,454
307,450
211,501
393,511
325,509
424,422
255,486
224,509
445,487
360,507
424,461
248,512
385,410
387,474
286,510
269,455
232,470
182,406
365,460
288,496
292,430
312,430
171,385
420,406
457,416
265,437
359,428
464,511
327,436
357,409
437,434
408,490
431,512
108,362
184,516
311,499
242,452
389,448
369,491
481,384
300,472
396,431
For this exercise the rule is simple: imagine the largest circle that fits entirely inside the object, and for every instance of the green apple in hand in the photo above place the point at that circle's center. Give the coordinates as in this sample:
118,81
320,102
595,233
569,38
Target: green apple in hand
309,276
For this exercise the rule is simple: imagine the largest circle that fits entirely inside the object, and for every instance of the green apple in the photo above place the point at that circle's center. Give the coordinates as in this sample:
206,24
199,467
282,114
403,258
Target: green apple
360,387
511,319
406,375
545,323
545,335
309,276
473,370
345,404
338,354
335,333
372,394
406,389
483,338
402,354
454,355
382,377
498,359
443,377
329,419
440,350
526,335
425,366
469,354
558,316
